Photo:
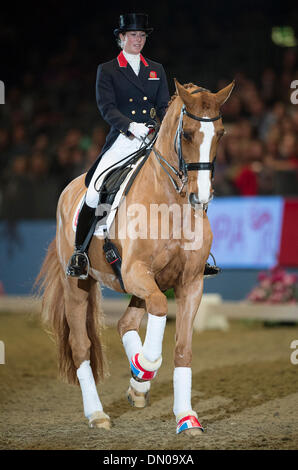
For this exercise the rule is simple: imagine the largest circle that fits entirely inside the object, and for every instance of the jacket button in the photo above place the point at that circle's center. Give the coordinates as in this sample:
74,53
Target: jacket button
145,98
144,111
133,112
130,99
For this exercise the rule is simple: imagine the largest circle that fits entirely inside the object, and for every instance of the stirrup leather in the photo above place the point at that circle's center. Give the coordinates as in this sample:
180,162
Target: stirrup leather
78,265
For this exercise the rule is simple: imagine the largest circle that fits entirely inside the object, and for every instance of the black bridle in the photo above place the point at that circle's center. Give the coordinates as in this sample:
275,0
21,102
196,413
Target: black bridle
184,167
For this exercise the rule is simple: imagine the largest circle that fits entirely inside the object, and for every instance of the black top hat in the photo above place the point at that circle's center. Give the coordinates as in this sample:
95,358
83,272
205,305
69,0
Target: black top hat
133,22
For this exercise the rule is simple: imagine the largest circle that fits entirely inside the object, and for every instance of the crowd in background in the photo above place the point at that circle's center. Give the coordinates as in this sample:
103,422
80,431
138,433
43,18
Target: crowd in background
259,154
51,130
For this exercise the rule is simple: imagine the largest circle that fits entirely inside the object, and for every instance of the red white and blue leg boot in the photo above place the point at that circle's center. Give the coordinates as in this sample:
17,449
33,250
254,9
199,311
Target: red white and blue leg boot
143,370
188,422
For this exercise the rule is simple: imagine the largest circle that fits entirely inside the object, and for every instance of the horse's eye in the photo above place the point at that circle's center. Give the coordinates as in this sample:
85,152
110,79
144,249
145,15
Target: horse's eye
187,136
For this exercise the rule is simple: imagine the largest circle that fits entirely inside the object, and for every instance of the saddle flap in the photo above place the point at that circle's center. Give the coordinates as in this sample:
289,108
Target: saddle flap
112,184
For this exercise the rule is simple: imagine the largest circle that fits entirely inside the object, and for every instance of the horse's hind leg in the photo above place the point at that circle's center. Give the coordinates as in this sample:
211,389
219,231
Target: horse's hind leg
81,306
128,328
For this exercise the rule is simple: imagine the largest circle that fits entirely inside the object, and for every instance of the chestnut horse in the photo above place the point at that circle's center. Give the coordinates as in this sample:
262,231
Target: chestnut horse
178,173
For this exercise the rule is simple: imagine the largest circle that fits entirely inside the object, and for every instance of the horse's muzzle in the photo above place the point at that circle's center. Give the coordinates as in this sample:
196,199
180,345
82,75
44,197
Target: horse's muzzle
195,201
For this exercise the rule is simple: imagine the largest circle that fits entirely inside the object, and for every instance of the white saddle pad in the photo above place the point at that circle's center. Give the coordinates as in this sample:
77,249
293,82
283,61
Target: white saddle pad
99,229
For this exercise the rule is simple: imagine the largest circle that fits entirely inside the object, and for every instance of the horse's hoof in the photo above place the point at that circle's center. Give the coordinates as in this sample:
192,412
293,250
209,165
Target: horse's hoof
99,419
195,432
189,424
137,399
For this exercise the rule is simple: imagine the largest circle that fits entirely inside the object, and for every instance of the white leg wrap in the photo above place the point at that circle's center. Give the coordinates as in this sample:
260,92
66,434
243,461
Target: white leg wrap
132,343
182,390
154,335
141,387
91,399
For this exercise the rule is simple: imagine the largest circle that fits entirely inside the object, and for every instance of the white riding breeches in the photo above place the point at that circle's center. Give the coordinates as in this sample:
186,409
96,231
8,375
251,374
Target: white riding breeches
121,148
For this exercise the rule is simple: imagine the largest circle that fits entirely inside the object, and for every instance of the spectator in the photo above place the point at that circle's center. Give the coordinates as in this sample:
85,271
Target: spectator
51,131
17,193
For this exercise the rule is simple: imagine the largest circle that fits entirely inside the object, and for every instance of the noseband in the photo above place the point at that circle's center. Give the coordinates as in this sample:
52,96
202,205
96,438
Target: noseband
184,167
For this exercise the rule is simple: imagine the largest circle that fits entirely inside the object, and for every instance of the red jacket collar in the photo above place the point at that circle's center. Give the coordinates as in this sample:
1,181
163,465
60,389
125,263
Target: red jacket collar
123,62
144,61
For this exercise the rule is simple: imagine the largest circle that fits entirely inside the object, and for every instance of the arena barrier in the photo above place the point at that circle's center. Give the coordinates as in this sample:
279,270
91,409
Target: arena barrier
214,313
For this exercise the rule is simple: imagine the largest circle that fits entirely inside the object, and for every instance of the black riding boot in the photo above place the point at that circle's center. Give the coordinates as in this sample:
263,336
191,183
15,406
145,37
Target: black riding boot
78,265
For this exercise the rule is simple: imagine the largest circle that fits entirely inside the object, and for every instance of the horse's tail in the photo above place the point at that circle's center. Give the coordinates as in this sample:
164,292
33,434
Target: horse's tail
51,285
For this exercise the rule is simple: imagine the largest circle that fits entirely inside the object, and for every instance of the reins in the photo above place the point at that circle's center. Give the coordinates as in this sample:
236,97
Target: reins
184,167
133,157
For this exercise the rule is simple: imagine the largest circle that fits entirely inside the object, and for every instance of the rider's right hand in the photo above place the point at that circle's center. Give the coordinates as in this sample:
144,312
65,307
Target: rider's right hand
138,129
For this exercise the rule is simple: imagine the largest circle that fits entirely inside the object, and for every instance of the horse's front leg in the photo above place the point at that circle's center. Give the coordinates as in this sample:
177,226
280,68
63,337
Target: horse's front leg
139,280
188,299
128,329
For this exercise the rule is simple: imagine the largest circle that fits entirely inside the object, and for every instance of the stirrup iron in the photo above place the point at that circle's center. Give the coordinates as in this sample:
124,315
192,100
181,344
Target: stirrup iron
75,265
211,270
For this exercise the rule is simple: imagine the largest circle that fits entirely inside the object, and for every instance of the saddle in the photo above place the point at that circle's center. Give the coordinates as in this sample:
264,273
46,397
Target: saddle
111,184
114,179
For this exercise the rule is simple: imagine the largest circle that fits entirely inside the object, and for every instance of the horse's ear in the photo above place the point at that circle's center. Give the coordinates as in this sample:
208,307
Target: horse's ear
183,93
223,95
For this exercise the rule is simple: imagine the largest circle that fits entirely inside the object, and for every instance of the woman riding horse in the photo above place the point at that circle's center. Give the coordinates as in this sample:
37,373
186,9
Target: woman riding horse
130,92
71,307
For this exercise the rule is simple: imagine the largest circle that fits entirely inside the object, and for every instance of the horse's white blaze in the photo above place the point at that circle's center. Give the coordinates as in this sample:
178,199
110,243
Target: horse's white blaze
204,184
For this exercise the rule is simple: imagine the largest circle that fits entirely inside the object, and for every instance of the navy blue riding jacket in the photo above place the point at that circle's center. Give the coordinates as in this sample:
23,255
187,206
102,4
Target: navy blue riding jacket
124,97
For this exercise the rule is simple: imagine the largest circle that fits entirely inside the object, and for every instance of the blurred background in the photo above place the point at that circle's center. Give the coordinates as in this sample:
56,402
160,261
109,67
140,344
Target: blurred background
51,130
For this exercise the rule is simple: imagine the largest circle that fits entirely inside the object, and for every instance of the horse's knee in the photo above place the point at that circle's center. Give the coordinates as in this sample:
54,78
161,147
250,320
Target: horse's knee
157,304
182,356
